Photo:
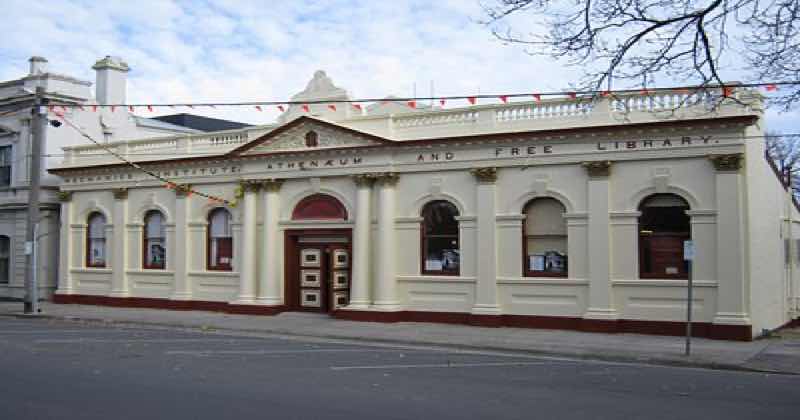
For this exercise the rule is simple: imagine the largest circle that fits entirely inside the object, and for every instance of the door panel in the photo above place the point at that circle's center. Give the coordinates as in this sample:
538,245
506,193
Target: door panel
340,277
310,277
318,270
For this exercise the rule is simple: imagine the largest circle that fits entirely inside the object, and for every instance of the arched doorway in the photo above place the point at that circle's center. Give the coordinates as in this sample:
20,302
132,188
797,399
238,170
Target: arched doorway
318,264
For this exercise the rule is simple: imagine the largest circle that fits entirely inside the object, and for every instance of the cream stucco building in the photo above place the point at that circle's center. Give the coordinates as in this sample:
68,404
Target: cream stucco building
560,213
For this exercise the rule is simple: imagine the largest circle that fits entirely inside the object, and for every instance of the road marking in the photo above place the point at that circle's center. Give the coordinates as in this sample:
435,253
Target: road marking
269,352
37,331
442,365
142,340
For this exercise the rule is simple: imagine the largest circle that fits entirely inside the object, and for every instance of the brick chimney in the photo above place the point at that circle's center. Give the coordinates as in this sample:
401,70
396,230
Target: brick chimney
111,80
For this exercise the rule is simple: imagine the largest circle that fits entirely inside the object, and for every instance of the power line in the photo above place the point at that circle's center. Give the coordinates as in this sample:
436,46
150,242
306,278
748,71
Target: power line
170,184
770,86
408,142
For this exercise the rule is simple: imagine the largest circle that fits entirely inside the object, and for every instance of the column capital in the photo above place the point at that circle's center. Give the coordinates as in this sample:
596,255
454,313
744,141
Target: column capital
727,163
386,178
485,175
120,193
183,190
597,169
271,185
250,185
364,180
64,196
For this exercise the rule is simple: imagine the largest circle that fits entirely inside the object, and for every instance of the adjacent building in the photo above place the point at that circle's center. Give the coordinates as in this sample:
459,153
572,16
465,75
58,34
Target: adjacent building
16,102
560,213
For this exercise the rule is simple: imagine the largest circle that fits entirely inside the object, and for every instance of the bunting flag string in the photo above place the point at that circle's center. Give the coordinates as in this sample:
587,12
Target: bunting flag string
168,184
726,91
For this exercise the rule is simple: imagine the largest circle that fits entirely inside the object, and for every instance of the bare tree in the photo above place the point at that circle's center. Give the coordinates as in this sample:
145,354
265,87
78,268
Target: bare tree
638,42
784,152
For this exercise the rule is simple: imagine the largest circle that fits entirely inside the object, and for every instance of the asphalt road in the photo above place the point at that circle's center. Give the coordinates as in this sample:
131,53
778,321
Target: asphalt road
64,370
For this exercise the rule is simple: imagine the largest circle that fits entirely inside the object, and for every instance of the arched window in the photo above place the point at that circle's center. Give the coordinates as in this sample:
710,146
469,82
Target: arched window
440,247
96,241
155,249
663,226
545,238
5,259
220,240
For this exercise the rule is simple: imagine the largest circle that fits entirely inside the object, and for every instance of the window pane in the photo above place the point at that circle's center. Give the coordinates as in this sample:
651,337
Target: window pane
97,226
546,236
440,218
5,256
4,273
5,156
442,254
154,226
156,252
97,252
545,216
663,226
5,246
220,224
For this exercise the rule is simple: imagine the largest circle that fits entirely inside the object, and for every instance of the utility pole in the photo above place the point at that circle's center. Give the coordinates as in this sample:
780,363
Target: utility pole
38,128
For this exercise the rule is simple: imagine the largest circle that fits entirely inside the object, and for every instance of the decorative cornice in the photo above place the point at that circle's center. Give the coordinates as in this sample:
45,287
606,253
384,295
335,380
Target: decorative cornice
183,190
64,196
120,193
271,185
386,178
727,163
485,175
598,169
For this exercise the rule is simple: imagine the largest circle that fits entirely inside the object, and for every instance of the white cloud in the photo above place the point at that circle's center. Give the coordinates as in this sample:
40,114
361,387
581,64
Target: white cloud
231,50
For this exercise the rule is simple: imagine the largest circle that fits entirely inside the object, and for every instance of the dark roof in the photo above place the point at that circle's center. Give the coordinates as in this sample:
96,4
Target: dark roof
201,123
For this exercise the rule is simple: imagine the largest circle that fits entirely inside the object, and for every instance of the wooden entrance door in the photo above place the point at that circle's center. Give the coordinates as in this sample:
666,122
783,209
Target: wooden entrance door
318,273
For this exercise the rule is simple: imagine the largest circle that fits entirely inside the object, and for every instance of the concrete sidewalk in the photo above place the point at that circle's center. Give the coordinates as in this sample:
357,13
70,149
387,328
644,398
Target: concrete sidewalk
780,354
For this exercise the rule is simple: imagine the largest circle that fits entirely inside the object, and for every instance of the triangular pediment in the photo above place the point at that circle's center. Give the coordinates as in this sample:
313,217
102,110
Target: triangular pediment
308,134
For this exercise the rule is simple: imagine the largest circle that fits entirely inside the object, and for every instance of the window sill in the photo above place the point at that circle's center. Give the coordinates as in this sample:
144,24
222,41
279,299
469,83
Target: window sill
549,281
654,282
212,273
151,272
427,278
96,270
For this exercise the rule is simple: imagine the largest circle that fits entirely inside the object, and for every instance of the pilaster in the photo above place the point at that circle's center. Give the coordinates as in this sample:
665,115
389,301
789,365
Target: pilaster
65,281
601,305
119,245
486,242
386,281
247,271
360,286
731,268
181,247
270,288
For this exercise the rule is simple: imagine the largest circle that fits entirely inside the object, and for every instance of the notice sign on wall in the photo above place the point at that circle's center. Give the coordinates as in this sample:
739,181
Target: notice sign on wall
688,250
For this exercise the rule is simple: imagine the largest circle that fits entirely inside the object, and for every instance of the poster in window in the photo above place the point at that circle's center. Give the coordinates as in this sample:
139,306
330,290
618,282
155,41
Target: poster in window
555,262
536,262
433,265
450,258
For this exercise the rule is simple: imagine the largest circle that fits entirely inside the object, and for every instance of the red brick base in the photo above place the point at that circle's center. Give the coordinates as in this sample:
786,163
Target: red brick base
699,329
177,305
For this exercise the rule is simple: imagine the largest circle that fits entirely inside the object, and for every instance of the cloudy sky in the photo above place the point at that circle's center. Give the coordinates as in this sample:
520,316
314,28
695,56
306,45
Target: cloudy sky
230,50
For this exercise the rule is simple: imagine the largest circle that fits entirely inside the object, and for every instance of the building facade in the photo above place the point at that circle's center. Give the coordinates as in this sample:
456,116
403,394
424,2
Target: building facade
16,102
562,213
